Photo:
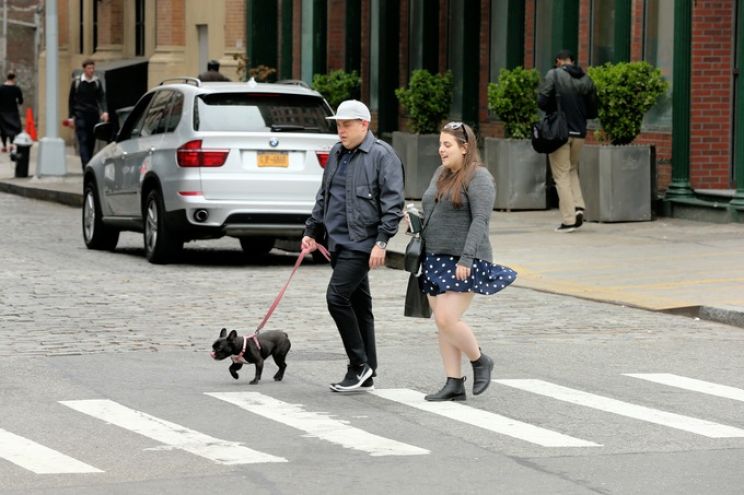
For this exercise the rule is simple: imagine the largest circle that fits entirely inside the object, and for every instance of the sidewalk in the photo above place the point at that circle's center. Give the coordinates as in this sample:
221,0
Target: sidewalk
673,265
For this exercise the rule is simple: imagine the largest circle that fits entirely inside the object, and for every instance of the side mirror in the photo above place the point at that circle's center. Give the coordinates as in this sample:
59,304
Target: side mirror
104,132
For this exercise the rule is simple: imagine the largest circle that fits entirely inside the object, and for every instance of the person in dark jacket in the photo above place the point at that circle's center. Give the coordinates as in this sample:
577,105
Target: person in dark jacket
213,73
10,119
359,205
575,90
87,107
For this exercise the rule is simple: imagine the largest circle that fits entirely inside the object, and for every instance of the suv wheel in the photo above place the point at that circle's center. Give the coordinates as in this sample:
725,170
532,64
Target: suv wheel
161,243
256,246
95,234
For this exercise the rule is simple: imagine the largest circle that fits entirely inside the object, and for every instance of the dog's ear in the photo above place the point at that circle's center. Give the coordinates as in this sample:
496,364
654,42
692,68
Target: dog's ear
223,332
233,334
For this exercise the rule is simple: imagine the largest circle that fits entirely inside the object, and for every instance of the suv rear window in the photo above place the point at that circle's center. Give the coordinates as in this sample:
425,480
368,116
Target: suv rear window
262,112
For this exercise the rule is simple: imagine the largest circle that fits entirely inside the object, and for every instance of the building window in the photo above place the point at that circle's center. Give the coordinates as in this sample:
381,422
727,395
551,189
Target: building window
610,32
603,32
507,36
499,36
544,51
423,35
95,26
139,28
556,28
81,29
658,50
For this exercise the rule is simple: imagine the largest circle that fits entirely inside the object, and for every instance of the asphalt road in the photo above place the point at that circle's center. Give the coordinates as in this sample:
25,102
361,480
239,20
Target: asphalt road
106,385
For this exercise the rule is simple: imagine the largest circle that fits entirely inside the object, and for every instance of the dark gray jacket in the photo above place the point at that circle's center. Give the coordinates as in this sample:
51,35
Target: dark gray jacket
577,94
374,192
463,231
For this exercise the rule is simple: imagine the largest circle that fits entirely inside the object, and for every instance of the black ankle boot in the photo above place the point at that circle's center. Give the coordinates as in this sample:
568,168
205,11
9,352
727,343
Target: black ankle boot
454,389
482,368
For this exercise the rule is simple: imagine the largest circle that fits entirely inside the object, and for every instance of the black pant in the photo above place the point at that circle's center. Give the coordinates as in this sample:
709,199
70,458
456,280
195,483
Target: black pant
84,125
350,305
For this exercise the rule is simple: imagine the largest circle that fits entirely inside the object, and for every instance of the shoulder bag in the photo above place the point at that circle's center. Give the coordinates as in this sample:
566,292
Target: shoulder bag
551,132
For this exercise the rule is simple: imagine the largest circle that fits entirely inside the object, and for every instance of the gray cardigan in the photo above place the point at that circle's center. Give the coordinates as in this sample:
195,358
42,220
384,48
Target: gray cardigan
461,232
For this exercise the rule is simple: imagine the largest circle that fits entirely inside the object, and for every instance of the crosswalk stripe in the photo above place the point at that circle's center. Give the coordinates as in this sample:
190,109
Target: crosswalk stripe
180,437
38,458
483,419
692,384
643,413
318,425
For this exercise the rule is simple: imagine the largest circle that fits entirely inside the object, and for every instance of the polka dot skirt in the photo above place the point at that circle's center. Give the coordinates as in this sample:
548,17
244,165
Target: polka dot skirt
485,278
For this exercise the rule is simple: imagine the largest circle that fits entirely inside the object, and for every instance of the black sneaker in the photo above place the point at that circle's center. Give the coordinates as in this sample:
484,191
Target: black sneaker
565,228
355,377
579,217
367,386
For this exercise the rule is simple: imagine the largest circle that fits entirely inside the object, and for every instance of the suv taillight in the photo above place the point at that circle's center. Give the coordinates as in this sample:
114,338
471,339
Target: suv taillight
191,154
322,158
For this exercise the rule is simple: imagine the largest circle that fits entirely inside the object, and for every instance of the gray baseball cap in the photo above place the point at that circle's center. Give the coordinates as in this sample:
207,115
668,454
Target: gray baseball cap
352,110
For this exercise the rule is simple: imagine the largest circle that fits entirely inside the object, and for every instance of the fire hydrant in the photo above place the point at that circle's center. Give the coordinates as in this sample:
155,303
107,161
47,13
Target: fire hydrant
21,153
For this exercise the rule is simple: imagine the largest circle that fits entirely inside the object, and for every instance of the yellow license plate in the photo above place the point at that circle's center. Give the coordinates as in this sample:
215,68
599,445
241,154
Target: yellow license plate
273,159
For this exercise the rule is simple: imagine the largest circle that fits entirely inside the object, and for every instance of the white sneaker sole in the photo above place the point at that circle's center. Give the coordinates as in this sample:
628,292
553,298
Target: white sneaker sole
338,388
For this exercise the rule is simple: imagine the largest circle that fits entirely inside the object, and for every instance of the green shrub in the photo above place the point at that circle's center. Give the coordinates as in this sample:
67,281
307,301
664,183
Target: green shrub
337,86
626,91
514,99
427,100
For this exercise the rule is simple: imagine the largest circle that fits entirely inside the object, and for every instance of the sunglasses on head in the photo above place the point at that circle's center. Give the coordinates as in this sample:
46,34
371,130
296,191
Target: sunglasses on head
453,126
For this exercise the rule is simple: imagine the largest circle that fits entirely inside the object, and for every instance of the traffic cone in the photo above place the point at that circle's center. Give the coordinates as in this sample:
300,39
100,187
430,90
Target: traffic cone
30,126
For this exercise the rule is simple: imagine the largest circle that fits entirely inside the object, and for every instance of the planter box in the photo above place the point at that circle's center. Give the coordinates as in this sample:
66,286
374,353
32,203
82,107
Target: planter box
519,173
420,156
617,182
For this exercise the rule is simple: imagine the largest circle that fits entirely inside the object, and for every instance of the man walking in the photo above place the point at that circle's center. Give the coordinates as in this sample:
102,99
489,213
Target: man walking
359,205
568,83
87,107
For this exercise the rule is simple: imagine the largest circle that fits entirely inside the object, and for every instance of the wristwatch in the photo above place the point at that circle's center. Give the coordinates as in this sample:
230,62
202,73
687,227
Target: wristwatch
381,244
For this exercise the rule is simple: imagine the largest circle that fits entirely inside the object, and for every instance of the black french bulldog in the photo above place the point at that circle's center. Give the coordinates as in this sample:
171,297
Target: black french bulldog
273,343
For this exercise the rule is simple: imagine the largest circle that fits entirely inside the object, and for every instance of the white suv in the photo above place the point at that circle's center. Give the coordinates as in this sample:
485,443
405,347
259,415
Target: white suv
200,160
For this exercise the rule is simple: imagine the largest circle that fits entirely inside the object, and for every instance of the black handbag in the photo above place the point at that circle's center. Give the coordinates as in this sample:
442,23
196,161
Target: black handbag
551,132
417,304
414,254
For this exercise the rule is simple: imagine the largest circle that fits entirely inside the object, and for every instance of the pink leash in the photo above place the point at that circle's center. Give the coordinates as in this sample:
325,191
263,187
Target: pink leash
239,357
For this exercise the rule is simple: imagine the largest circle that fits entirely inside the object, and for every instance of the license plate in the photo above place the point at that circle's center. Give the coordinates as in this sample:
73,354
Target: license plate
273,159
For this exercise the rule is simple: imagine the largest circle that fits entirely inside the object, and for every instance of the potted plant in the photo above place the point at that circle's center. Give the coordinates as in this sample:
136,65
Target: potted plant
427,100
337,86
618,180
518,170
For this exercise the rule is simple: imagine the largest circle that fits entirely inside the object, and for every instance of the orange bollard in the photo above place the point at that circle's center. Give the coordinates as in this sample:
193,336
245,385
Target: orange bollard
30,126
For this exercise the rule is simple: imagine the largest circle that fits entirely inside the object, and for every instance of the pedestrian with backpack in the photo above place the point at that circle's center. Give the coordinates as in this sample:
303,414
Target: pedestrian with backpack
568,89
87,107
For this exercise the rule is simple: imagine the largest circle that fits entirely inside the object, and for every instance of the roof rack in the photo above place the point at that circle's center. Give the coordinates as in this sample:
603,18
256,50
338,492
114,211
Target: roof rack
294,82
182,79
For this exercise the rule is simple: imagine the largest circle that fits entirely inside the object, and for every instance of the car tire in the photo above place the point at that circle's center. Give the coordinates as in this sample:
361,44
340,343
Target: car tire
256,246
162,245
96,234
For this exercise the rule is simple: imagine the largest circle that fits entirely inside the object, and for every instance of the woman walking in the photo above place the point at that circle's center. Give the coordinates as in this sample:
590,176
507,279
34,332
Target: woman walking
457,209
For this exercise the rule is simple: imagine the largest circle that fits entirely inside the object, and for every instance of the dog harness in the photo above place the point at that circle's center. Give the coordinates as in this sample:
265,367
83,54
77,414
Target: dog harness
239,358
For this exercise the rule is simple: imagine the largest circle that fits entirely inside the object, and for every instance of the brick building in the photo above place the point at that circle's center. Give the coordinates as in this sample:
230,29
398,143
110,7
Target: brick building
698,129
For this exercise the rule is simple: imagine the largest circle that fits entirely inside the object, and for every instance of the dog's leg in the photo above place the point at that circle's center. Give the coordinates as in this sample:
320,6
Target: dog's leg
280,358
259,370
234,369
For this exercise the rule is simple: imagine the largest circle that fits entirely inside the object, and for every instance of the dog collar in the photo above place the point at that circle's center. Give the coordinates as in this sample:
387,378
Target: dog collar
239,358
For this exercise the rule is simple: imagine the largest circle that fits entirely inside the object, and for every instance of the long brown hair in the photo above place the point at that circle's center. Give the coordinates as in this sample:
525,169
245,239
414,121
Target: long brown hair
451,183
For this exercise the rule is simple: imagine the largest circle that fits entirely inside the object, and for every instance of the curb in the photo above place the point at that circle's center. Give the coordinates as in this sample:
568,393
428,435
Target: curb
722,314
62,197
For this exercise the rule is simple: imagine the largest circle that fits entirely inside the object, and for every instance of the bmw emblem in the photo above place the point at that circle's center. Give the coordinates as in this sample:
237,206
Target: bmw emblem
274,142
